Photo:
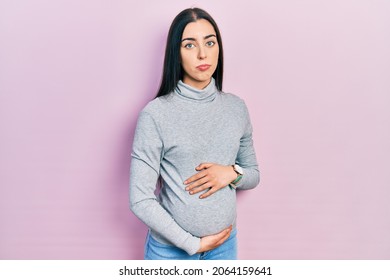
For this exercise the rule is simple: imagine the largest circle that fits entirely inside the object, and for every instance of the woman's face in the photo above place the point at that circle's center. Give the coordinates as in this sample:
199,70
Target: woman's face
199,53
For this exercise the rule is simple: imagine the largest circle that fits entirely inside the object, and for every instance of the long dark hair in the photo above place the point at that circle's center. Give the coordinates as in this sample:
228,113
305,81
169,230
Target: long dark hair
173,71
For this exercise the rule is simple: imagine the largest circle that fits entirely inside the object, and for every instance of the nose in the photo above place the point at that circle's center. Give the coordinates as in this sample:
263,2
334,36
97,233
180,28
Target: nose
202,53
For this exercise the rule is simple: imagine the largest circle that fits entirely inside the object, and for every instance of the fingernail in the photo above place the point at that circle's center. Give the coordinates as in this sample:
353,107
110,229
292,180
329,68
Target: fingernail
191,192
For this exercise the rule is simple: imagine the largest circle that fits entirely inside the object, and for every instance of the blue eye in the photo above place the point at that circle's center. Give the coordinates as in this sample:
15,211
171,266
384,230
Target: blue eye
189,46
210,43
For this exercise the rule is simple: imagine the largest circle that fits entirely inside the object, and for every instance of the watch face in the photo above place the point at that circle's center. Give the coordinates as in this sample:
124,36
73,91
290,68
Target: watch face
238,169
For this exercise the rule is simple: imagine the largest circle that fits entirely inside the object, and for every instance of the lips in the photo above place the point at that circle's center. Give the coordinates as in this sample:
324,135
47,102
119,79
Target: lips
203,67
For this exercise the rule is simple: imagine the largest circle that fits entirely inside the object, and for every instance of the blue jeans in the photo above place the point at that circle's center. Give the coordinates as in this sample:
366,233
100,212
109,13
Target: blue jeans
155,250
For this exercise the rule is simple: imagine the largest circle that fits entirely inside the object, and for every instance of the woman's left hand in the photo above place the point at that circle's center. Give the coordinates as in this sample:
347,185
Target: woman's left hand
212,176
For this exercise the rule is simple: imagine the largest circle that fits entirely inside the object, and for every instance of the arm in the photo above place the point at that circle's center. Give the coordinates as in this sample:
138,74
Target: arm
144,172
246,158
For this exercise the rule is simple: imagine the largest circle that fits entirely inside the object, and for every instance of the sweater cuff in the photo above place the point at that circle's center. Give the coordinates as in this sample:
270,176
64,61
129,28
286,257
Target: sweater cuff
191,245
240,182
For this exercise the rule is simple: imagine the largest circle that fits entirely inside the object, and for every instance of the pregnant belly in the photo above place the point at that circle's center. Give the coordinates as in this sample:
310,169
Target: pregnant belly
207,216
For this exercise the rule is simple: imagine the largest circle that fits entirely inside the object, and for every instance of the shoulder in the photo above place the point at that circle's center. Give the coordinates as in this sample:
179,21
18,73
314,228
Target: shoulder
236,106
155,111
156,106
233,100
232,97
151,107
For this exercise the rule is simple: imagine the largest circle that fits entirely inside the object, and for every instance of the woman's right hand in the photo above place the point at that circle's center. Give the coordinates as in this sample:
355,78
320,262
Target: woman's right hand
210,242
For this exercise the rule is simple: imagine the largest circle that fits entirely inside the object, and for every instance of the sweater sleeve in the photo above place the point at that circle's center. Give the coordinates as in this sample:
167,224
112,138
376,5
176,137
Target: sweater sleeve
144,173
246,157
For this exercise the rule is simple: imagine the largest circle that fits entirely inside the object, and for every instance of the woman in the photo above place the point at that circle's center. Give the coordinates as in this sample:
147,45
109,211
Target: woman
197,141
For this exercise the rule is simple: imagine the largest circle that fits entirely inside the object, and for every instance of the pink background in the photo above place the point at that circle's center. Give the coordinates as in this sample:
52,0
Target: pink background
314,74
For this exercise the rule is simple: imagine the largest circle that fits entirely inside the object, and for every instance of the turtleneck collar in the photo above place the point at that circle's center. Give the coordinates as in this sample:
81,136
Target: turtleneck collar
198,95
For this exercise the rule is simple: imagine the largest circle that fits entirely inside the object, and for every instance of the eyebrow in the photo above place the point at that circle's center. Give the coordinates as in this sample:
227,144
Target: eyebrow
206,37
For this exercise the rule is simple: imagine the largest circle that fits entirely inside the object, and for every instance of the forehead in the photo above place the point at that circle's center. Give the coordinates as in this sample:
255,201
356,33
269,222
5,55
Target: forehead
199,28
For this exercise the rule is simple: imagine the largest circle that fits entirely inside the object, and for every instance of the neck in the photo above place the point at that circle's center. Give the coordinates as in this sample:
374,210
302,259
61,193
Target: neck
196,84
193,94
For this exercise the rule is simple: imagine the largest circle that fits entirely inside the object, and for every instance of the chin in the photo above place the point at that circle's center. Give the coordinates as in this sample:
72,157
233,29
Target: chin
204,78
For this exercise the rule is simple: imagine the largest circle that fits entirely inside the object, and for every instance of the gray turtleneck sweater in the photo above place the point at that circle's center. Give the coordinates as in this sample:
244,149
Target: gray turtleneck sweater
174,134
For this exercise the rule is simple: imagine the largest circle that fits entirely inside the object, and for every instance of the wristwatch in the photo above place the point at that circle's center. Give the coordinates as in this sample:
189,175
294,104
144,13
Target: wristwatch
240,172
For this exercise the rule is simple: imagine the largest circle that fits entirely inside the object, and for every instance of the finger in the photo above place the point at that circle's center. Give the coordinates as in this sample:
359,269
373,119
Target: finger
210,192
223,235
198,183
222,240
201,188
204,165
226,235
195,177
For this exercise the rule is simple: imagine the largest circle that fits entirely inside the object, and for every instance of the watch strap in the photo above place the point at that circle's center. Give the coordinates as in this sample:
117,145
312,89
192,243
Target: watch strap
237,179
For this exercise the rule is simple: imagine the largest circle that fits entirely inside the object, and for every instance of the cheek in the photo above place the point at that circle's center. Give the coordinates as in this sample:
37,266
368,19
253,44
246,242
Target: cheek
213,56
185,61
216,55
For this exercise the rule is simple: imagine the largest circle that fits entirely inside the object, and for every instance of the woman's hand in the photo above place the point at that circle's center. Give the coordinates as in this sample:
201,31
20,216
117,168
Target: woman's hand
210,242
212,176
